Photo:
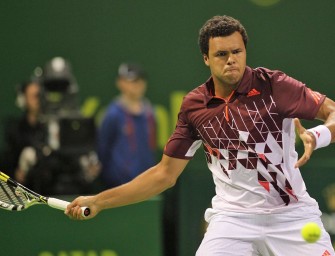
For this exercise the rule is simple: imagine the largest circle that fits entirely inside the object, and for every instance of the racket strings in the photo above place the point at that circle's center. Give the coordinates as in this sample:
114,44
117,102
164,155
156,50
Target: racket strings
10,195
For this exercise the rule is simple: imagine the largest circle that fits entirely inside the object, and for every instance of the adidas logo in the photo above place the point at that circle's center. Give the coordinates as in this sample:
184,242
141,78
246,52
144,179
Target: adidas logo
317,133
253,92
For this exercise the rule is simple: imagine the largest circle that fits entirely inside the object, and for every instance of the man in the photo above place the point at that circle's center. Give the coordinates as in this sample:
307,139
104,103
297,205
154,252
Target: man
244,118
24,135
127,136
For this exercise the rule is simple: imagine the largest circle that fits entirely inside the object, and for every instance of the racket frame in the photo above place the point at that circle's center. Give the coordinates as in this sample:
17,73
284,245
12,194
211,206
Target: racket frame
32,198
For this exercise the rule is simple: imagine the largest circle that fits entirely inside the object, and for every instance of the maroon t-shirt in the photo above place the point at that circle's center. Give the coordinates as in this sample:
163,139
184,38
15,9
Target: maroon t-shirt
252,134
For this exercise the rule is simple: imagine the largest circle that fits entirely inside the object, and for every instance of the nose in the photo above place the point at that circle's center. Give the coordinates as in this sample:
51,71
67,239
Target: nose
231,59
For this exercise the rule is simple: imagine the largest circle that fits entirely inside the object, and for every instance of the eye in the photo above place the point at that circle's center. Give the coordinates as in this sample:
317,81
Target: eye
236,51
221,54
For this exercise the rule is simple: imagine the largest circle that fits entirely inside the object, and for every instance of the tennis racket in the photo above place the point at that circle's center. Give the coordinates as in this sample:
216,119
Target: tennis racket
16,197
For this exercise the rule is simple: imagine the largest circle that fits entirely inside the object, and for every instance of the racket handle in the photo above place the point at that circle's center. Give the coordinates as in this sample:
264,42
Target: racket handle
61,205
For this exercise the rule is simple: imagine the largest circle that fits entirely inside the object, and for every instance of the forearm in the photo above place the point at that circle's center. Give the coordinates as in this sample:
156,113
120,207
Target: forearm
148,184
319,136
326,114
330,123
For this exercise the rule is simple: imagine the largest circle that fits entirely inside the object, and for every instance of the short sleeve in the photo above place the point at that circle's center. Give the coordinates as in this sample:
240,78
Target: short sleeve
183,143
293,98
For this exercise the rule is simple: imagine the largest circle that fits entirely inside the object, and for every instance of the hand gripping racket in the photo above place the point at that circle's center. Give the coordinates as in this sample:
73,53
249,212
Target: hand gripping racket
16,197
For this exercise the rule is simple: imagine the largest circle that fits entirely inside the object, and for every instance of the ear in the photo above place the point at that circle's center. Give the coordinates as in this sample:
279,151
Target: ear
206,60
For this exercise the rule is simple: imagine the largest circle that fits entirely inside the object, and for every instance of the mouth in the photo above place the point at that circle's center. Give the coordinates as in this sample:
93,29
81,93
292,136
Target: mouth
232,69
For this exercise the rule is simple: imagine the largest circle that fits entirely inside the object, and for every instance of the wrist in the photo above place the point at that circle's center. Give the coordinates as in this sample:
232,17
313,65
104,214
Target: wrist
322,136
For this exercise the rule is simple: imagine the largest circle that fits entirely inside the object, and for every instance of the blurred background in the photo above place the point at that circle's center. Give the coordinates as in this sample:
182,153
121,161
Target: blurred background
95,37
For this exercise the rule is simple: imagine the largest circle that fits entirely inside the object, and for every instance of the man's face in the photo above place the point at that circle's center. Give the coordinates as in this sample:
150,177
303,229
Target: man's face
32,97
133,90
226,59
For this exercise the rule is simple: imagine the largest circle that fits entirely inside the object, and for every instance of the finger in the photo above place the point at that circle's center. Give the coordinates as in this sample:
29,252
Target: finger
307,154
303,160
69,213
73,214
70,207
78,211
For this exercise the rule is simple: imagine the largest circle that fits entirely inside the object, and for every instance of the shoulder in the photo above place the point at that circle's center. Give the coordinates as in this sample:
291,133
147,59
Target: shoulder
113,111
12,124
147,105
114,107
197,95
274,78
269,74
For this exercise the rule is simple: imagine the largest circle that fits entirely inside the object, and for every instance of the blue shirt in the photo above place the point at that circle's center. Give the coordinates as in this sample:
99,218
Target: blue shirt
126,143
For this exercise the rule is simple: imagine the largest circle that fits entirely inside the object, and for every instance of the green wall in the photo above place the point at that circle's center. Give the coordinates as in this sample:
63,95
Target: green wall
43,231
294,36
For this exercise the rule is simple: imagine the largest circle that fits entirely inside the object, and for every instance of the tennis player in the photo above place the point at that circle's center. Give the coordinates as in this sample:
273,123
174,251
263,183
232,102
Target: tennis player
245,119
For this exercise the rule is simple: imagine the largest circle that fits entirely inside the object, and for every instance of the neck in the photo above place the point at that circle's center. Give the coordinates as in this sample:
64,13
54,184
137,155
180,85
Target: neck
32,118
224,91
134,106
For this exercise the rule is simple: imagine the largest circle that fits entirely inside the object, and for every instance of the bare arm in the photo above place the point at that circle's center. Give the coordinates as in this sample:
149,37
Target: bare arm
148,184
326,113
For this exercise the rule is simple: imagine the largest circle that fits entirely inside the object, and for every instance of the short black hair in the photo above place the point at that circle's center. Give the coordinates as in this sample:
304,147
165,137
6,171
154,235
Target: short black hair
132,71
219,26
25,84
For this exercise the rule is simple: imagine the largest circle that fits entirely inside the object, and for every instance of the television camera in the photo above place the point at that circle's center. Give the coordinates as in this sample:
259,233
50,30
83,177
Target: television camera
67,162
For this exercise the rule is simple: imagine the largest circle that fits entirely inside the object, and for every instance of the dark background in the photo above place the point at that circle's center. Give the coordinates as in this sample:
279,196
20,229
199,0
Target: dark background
95,36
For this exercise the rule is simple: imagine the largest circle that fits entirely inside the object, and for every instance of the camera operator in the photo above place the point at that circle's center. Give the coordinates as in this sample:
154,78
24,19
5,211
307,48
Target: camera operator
24,134
51,149
72,165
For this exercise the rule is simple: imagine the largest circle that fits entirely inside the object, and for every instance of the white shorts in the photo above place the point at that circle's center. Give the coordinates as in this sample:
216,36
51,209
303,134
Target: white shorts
241,234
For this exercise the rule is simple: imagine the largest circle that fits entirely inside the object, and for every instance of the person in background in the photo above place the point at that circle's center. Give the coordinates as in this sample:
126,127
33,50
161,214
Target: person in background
25,134
29,155
127,135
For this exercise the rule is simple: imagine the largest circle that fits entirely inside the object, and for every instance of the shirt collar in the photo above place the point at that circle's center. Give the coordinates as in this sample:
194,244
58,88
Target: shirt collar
243,88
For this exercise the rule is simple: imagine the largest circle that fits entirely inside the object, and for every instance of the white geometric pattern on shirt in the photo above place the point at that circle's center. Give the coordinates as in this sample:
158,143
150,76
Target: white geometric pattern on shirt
263,156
